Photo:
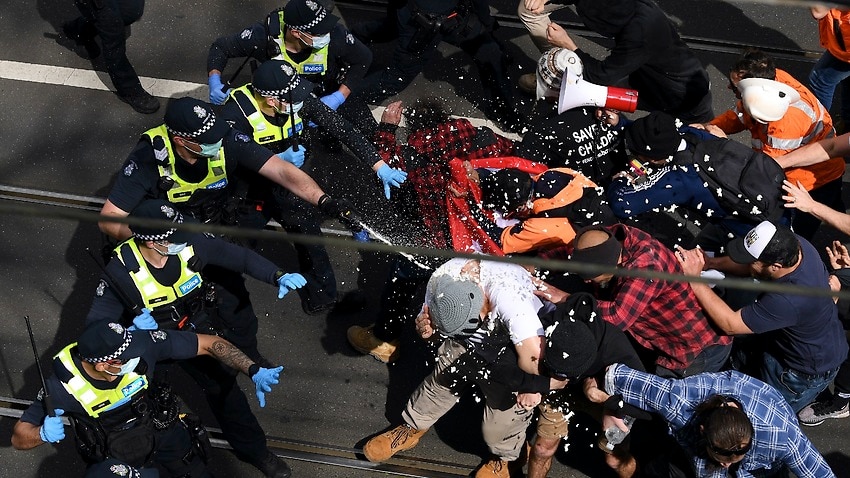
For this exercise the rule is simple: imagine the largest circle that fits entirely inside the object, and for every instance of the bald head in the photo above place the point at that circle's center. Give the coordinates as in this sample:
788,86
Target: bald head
591,238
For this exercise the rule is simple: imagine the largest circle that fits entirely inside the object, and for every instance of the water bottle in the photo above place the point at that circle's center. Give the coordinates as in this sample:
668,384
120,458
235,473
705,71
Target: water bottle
614,436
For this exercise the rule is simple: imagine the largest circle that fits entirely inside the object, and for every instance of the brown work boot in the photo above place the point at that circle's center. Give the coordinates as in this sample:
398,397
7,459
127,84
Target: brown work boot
401,438
493,468
528,83
364,341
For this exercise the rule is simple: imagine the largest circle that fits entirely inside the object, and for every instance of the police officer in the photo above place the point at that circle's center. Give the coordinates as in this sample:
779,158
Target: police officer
305,34
109,20
102,383
158,270
274,109
190,160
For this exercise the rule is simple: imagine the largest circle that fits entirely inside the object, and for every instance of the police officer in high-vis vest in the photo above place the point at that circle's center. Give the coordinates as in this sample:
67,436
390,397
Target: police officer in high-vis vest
158,272
102,383
305,34
191,161
267,109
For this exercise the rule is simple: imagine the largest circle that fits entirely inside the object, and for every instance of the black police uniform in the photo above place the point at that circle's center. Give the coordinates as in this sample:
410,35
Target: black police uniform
133,438
347,64
140,179
227,401
467,24
293,213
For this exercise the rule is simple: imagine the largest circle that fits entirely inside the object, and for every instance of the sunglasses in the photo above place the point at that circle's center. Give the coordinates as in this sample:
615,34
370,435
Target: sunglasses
742,450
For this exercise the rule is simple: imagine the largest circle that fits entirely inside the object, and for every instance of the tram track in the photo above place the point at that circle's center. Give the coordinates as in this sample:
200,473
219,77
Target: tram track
317,453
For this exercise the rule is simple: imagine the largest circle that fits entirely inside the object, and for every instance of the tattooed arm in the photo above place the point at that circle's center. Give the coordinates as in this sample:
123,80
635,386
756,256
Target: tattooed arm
224,352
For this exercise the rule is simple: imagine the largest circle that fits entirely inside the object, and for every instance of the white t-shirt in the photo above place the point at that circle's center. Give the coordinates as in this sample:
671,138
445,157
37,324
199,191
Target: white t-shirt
511,294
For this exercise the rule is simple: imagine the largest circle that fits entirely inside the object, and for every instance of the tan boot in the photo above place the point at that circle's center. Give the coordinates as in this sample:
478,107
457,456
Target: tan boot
401,438
364,341
494,468
528,83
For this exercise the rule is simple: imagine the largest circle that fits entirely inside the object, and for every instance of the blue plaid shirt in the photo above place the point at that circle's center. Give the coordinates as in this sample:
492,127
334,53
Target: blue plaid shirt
778,439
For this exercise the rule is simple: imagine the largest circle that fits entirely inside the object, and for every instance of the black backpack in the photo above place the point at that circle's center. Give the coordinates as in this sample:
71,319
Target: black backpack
747,183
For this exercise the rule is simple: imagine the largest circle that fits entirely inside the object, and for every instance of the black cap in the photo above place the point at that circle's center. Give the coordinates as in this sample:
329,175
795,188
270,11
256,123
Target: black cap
655,136
570,346
308,16
162,210
506,189
104,341
606,253
191,118
278,79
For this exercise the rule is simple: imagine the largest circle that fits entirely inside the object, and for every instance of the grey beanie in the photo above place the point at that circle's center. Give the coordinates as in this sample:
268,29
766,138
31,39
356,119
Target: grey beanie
455,305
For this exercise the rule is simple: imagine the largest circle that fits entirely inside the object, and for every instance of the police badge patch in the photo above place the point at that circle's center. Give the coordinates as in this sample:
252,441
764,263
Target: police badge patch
119,470
101,286
128,170
158,335
243,138
167,210
349,39
311,5
200,111
246,34
116,328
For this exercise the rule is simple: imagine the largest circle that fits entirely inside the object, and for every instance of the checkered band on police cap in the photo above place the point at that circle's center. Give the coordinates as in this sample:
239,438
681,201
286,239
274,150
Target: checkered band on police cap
206,117
268,80
103,343
170,213
163,211
319,13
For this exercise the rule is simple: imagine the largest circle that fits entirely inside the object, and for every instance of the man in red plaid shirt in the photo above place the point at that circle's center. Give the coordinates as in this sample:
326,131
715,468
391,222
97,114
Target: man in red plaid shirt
434,139
662,316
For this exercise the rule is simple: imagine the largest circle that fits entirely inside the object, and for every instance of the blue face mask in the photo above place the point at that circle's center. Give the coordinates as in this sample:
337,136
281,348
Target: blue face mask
126,368
210,150
320,42
171,249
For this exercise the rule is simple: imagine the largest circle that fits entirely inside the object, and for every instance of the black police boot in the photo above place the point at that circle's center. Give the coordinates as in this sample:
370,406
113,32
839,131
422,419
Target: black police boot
273,467
141,101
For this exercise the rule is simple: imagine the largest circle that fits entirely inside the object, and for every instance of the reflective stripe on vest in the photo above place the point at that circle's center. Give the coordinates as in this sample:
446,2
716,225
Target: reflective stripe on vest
315,64
153,293
264,131
182,190
794,143
94,400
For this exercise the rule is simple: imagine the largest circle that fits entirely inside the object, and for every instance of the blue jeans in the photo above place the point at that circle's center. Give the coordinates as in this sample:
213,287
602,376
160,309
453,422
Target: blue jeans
827,73
798,389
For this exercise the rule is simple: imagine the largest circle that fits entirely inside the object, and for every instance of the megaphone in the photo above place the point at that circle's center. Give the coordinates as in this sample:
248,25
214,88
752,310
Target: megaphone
577,92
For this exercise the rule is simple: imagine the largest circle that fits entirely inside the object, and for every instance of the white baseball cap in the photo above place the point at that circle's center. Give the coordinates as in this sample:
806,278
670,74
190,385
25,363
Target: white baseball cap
751,247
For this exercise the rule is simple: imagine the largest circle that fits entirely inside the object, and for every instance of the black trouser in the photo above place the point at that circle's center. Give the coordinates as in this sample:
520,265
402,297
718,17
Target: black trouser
399,290
233,306
415,49
230,406
109,19
298,217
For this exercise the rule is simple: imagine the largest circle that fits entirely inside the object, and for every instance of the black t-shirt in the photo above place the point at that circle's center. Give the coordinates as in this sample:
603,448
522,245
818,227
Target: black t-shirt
574,139
139,177
160,345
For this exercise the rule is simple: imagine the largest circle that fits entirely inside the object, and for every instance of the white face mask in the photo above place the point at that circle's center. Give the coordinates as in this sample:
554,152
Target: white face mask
320,42
293,109
171,249
128,367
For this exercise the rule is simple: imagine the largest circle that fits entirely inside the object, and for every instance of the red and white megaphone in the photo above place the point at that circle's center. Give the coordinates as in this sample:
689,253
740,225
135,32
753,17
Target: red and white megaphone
577,92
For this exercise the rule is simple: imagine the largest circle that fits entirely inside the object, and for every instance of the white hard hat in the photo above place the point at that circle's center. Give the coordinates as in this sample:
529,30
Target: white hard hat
766,100
550,69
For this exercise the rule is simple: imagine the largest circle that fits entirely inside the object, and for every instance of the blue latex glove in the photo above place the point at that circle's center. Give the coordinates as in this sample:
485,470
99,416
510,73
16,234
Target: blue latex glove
289,282
144,321
53,430
333,100
264,379
391,177
217,96
295,157
360,236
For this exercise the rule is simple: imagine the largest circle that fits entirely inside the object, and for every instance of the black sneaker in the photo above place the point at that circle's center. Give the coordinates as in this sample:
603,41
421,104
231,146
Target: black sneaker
818,412
274,467
143,102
